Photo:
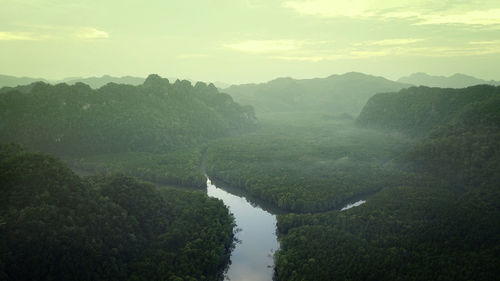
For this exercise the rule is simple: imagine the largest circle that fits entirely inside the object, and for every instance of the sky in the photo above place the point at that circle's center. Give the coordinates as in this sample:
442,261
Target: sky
242,41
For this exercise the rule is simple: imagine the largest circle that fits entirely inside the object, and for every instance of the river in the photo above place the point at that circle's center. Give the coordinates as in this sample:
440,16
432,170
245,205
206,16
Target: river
252,259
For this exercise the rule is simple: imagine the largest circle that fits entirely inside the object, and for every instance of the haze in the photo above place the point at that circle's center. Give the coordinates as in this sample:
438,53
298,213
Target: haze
238,41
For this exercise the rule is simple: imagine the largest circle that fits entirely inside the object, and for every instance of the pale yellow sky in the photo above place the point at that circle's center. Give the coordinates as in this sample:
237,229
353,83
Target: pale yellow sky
239,41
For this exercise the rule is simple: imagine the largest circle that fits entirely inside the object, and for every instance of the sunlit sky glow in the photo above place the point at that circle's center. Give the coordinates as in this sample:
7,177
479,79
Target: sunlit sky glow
239,41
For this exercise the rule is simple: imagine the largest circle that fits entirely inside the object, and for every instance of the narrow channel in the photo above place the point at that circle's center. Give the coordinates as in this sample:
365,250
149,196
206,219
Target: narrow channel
252,259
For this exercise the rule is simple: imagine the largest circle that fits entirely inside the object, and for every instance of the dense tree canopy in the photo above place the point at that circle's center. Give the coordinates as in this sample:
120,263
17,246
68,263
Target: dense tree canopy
153,131
156,116
417,110
304,168
57,226
443,225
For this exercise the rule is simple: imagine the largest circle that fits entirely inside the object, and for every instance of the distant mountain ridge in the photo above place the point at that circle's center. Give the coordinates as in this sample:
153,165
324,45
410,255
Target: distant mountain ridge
345,93
13,81
94,82
97,82
457,80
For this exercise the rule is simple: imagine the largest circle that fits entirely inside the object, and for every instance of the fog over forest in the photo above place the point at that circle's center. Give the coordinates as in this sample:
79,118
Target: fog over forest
283,140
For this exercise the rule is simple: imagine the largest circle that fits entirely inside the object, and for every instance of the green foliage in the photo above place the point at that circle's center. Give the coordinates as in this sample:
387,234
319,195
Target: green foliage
307,168
154,117
57,226
417,110
404,233
180,167
466,151
151,131
446,229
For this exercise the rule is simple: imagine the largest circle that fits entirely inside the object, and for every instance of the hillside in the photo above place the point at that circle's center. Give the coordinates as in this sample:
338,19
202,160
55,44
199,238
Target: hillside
155,116
346,93
466,150
454,81
154,131
55,225
415,111
439,224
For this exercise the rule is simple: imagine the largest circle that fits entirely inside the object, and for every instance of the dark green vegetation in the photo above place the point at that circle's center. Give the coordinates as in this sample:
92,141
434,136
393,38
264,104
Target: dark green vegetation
55,225
306,162
345,93
441,225
417,110
402,233
426,160
157,120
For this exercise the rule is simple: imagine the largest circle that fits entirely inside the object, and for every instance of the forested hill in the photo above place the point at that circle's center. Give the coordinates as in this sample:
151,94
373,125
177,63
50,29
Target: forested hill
155,116
438,221
466,150
417,110
55,225
346,93
459,130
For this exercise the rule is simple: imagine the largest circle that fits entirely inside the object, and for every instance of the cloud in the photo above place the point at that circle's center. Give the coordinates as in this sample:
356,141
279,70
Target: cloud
192,56
391,42
478,17
490,42
50,32
299,58
378,51
324,8
265,46
480,13
20,36
91,33
317,50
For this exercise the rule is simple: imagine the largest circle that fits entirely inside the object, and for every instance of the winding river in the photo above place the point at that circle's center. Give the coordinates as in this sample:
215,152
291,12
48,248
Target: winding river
252,259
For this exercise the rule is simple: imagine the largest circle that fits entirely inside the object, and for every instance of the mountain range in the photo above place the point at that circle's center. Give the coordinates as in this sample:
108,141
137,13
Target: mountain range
346,93
454,81
93,82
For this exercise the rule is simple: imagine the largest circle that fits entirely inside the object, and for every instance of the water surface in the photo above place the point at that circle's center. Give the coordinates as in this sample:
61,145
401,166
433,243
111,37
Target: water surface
252,259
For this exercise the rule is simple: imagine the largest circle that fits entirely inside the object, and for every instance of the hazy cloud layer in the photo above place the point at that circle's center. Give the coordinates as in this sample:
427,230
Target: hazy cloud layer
18,36
420,12
249,40
308,51
48,32
91,33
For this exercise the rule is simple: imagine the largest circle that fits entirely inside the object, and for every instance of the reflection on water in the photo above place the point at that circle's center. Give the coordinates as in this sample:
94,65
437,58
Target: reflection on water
252,259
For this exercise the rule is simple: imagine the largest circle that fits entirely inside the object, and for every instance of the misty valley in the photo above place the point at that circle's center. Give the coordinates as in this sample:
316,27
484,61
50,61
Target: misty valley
348,177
